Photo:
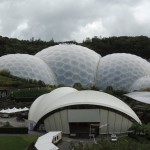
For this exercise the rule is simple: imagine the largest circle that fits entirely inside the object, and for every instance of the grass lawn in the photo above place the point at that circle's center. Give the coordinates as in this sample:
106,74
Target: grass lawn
16,142
21,142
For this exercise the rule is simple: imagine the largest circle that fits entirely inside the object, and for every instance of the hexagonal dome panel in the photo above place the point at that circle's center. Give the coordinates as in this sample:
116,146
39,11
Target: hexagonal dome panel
71,64
119,71
28,67
141,84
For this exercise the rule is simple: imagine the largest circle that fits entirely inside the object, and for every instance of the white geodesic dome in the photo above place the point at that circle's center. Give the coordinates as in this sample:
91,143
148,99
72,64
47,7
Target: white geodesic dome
28,67
120,71
71,64
141,84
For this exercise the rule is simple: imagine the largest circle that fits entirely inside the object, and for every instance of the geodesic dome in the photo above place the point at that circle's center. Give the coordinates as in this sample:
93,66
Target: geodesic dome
120,71
28,67
141,84
71,64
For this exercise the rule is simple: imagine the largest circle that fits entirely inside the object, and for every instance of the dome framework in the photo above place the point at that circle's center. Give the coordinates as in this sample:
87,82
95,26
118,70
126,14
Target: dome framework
142,83
119,71
72,64
28,67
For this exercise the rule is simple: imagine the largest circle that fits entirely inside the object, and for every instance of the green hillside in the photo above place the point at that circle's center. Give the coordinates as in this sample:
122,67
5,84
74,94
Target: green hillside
9,81
15,82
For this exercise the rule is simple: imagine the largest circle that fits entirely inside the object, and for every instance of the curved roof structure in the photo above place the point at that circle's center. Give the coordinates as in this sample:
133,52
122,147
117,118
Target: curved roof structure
50,103
43,100
121,70
71,64
28,67
141,84
143,97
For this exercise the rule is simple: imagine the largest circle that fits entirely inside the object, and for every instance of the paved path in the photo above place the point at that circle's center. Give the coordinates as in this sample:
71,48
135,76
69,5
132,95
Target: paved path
13,122
64,144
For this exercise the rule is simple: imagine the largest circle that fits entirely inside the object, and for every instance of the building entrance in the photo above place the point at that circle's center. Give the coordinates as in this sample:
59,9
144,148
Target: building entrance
84,129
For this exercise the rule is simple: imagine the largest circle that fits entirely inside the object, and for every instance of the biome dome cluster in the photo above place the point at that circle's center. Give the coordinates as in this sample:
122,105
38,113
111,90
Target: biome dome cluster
68,64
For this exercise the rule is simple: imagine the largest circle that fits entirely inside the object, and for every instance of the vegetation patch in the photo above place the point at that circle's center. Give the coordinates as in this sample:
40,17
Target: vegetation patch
16,142
31,93
123,143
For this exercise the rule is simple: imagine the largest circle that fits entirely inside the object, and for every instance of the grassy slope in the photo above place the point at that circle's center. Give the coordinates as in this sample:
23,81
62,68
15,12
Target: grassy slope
11,82
16,142
6,80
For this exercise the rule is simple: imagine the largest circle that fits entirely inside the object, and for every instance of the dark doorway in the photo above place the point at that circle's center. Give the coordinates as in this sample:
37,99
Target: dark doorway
83,129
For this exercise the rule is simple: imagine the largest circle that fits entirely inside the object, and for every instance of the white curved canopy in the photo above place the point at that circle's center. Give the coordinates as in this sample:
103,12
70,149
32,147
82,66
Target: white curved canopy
140,96
45,101
50,103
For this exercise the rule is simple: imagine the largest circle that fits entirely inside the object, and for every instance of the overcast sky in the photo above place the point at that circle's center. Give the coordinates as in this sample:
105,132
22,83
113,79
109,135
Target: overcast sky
73,19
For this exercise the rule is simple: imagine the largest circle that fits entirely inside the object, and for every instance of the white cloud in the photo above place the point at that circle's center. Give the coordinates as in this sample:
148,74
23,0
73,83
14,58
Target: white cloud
90,30
142,12
19,30
73,20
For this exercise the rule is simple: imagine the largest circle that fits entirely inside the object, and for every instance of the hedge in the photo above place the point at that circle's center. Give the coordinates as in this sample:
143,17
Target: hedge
14,130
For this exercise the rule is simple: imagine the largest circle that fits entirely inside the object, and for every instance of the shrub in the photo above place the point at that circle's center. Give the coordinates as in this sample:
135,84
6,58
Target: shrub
5,72
14,130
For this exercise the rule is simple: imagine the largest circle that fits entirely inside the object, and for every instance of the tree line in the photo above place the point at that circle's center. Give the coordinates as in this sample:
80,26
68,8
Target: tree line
138,45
